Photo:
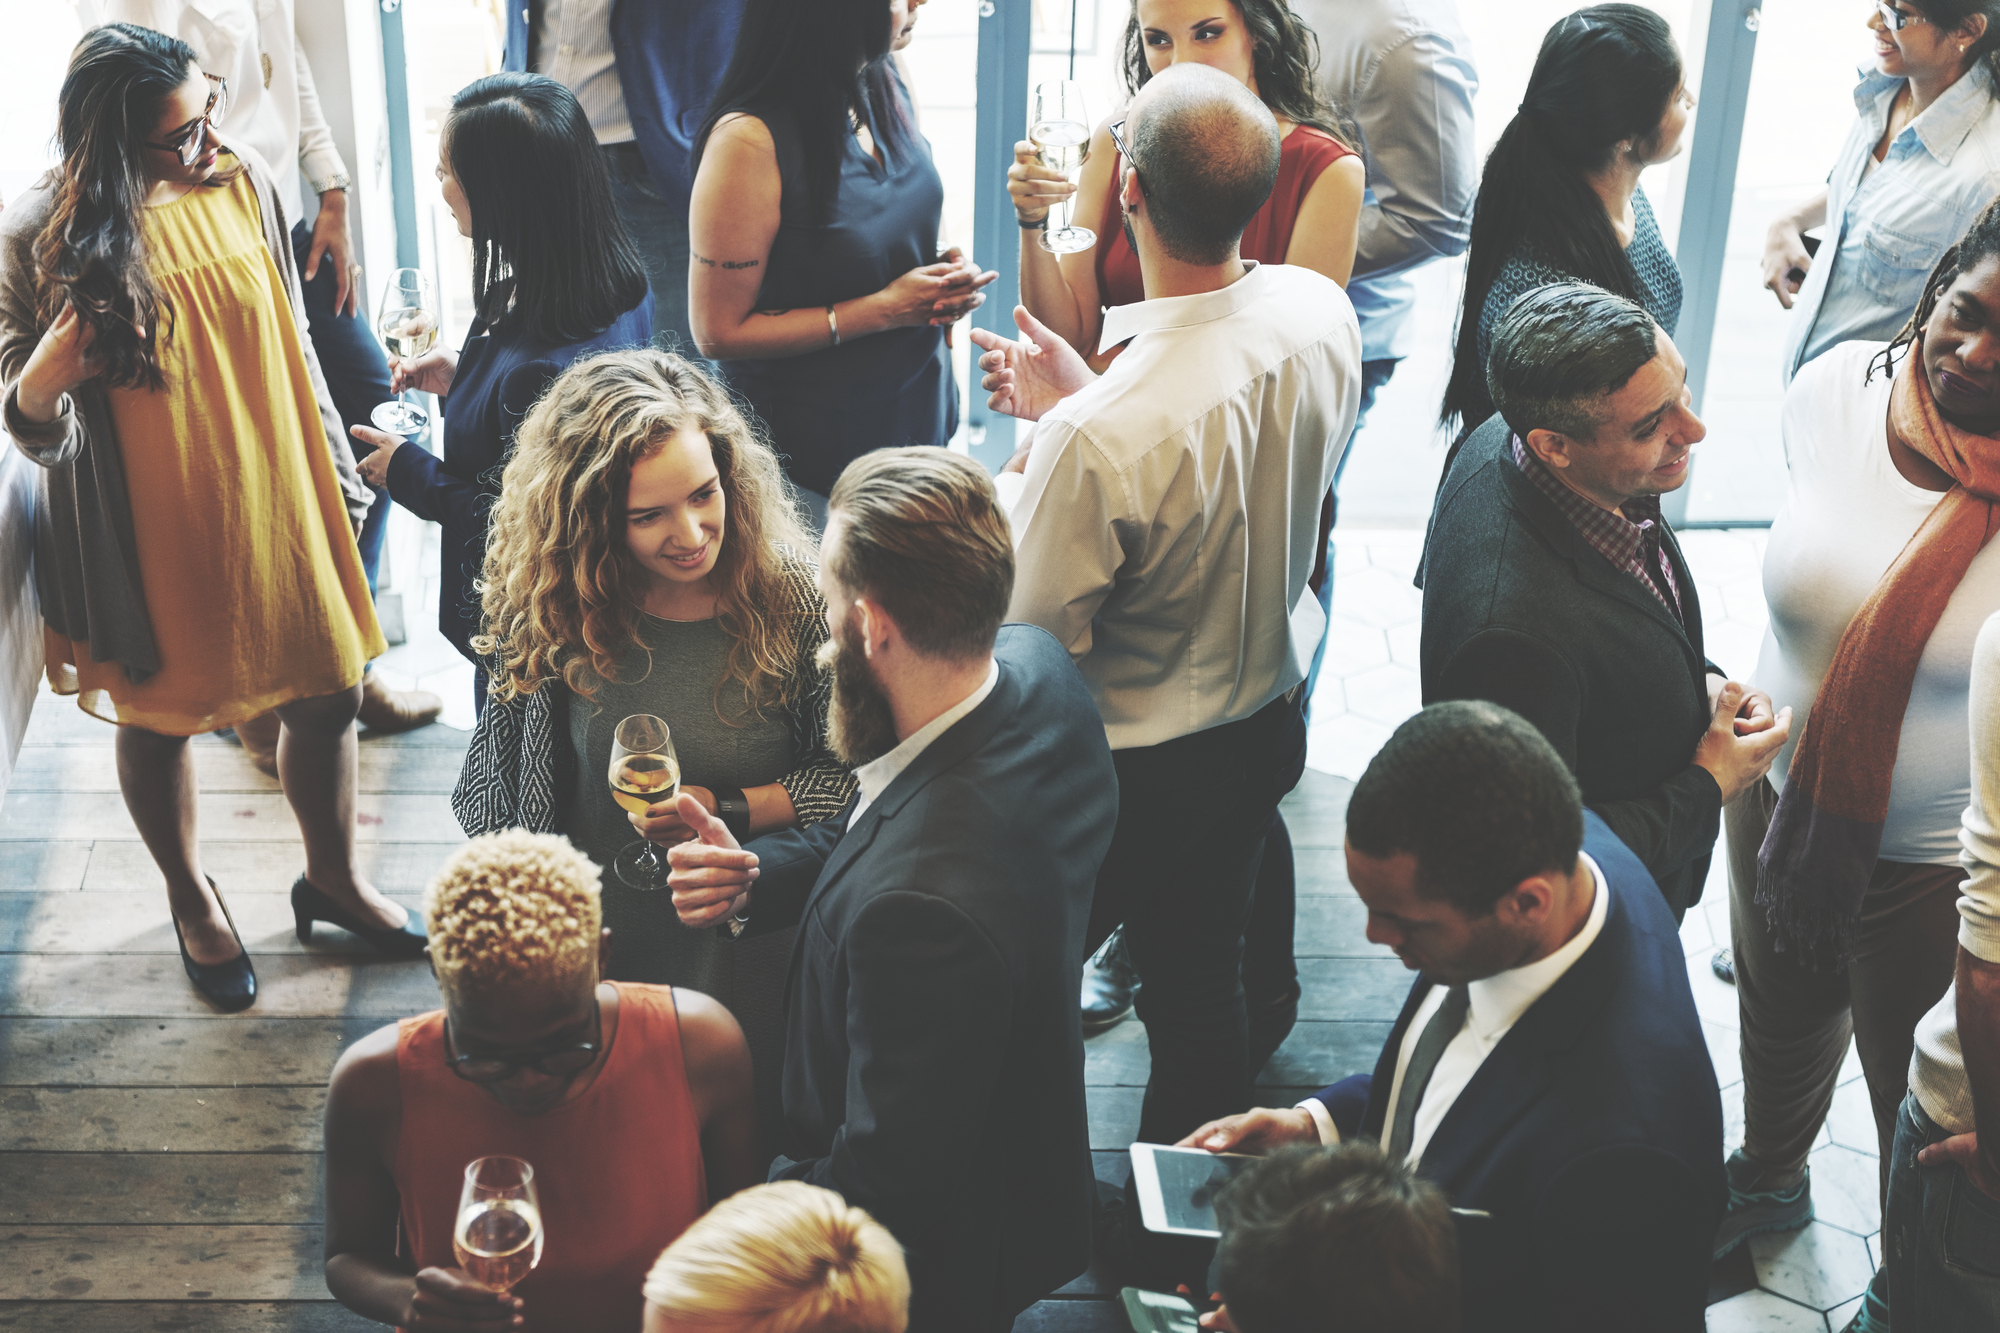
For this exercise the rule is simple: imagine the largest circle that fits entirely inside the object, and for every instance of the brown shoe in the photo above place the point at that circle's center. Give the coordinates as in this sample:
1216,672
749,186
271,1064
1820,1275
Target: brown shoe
384,709
259,736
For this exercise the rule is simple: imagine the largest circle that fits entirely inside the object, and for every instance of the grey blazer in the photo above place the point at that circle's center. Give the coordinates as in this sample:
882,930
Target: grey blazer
87,571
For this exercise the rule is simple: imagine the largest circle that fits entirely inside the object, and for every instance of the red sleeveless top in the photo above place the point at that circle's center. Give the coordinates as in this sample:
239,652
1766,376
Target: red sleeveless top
618,1170
1302,156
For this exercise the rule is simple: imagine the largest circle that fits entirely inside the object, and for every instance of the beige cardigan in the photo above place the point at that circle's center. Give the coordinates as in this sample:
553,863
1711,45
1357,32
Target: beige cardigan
86,562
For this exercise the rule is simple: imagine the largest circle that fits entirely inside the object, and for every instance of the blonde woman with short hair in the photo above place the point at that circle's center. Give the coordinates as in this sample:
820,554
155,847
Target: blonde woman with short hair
645,557
781,1258
631,1103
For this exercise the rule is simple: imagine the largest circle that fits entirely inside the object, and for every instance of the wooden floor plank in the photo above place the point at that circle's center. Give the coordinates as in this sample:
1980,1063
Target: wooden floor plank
118,985
152,1262
174,1317
127,923
155,1120
393,867
174,1189
43,866
39,816
222,768
251,1049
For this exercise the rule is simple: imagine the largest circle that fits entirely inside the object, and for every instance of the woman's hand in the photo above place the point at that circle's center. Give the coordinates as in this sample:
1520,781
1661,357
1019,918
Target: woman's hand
662,823
1784,254
60,362
939,293
430,373
1034,188
374,468
450,1298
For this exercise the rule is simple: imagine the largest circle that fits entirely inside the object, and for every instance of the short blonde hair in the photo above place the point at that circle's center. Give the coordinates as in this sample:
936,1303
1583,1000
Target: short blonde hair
783,1258
513,907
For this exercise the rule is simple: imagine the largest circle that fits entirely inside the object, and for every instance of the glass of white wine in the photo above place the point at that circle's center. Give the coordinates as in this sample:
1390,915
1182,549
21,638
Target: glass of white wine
408,322
498,1237
644,772
1059,128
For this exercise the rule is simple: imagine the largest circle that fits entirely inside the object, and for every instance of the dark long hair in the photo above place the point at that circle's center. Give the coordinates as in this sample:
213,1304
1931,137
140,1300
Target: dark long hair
1980,242
544,228
1285,59
91,255
827,62
1604,75
1946,15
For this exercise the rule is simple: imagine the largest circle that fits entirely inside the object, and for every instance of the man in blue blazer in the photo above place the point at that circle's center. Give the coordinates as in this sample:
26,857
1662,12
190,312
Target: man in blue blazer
934,1049
644,71
1548,1070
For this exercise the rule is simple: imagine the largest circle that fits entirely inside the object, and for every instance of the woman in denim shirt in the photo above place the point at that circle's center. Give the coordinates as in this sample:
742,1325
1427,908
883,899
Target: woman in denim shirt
1921,161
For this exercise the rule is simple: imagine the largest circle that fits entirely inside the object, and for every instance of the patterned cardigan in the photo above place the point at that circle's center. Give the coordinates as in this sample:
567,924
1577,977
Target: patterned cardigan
519,769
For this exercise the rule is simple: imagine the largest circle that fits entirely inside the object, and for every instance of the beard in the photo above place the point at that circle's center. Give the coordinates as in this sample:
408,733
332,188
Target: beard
861,727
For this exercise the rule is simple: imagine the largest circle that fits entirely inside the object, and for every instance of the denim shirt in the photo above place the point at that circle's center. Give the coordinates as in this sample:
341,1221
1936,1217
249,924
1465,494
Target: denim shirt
1885,232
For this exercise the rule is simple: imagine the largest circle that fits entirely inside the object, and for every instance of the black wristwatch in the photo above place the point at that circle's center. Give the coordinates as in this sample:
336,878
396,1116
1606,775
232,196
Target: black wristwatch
1039,224
732,807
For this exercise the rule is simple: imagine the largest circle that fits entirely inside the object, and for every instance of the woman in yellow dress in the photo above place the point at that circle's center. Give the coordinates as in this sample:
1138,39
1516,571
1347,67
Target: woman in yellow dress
195,553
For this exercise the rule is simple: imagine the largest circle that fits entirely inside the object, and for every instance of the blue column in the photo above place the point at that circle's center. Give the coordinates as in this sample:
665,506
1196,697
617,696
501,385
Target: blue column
402,174
996,239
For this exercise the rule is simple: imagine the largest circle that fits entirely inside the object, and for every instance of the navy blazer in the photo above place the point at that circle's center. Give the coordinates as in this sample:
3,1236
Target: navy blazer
671,55
1588,1145
933,1048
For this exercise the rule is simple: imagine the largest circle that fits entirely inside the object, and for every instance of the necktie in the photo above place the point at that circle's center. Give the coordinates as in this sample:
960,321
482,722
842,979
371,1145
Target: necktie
1444,1025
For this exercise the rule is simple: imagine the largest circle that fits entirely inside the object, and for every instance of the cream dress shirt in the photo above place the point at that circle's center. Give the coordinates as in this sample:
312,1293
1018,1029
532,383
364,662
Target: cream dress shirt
573,47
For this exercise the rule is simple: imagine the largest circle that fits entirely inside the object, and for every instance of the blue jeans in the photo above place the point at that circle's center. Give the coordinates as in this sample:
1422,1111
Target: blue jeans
660,231
357,375
1941,1237
1374,374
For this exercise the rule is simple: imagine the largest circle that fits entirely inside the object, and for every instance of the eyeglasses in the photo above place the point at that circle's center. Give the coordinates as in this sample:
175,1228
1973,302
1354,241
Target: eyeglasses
1896,18
188,143
1119,140
563,1062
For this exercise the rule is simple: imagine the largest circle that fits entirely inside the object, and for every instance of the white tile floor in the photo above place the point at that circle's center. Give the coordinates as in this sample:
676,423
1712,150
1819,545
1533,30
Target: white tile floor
1809,1279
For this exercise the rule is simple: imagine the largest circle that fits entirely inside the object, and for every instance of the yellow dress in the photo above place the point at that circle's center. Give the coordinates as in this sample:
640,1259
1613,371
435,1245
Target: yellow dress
247,560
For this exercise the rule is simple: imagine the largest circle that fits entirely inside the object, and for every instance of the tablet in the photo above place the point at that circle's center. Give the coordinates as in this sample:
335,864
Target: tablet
1177,1187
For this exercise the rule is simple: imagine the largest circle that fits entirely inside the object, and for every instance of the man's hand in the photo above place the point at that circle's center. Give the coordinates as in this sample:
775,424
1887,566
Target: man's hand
662,823
1027,377
449,1298
332,240
1962,1150
711,875
1256,1131
1756,713
374,467
1736,757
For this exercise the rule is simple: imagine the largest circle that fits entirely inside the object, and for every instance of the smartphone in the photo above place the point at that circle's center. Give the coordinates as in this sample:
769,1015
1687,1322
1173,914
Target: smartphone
1157,1312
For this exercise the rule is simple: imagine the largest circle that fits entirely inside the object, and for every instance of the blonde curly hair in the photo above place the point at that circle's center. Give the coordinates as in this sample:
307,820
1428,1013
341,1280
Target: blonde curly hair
560,593
513,908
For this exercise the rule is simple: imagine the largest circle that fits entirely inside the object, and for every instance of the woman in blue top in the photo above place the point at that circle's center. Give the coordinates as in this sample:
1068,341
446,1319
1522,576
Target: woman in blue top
554,278
816,281
1921,161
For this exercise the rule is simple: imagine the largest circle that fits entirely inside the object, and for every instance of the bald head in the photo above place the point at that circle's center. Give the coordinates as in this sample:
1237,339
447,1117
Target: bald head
1206,151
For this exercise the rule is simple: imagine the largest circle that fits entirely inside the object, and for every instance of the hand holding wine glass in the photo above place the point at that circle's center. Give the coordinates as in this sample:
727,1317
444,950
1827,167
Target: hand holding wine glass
1060,130
644,773
498,1236
408,322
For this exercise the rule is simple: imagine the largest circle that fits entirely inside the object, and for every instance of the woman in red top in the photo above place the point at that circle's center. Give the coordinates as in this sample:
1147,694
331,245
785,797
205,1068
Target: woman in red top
1311,218
631,1102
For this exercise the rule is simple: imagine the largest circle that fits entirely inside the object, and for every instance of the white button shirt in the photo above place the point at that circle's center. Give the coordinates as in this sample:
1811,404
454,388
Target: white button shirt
573,47
1165,527
1495,1005
875,776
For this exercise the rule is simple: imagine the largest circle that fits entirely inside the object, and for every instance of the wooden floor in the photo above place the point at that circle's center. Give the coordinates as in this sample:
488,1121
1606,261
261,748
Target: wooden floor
159,1162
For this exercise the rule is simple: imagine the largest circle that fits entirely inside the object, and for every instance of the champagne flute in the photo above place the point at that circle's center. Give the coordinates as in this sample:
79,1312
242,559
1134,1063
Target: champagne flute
644,772
498,1238
407,319
1059,128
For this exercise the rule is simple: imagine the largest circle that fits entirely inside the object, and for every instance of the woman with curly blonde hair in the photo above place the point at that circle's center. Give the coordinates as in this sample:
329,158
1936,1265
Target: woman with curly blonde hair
645,557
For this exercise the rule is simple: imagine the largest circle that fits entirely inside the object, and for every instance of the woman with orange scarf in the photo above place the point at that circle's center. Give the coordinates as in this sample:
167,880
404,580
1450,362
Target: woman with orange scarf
1844,867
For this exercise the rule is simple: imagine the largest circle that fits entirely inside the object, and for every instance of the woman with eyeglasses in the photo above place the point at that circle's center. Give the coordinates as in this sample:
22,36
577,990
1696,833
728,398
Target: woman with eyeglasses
195,535
1921,161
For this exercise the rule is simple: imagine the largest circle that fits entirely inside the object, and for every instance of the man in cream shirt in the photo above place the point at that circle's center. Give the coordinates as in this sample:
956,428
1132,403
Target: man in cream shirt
1164,532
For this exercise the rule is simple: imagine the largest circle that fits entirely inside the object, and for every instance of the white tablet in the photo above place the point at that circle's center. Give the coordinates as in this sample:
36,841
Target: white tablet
1177,1187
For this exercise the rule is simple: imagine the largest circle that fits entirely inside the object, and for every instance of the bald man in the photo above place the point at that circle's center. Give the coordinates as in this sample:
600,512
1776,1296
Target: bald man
1164,530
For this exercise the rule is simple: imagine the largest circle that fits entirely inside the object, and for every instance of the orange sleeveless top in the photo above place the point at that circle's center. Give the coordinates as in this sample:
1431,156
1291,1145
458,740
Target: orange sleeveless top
618,1170
1302,156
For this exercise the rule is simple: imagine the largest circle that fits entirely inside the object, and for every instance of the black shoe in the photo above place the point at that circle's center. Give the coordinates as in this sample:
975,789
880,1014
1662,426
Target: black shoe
231,986
310,905
1109,985
1723,964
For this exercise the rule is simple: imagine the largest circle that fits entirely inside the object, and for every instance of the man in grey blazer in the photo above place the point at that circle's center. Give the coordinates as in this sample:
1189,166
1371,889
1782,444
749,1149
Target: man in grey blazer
933,1052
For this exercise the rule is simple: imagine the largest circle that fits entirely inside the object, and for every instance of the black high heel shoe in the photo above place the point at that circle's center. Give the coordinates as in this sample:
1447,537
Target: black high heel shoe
310,905
231,986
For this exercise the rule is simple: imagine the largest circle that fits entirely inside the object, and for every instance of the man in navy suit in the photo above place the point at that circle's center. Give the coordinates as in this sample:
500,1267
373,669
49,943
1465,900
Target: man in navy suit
644,71
934,1049
1548,1070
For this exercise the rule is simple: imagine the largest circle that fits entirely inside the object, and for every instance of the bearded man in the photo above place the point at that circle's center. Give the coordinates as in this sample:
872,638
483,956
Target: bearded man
933,1049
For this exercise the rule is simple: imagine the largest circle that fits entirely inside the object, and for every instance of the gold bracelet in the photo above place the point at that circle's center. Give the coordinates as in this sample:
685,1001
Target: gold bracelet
833,325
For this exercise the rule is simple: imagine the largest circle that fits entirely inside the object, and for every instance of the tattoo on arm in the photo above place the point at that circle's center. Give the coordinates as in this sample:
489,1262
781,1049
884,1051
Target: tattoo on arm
727,264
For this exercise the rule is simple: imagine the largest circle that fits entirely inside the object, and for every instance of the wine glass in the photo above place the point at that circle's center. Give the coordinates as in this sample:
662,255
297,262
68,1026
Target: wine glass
408,322
644,772
1059,128
498,1238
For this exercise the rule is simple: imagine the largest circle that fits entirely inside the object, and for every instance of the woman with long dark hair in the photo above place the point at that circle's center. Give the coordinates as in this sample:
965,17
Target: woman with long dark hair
554,278
195,553
816,281
1560,198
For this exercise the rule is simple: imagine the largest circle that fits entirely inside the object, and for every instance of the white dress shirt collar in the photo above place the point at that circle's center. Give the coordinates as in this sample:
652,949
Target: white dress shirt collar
1497,1002
876,775
1123,322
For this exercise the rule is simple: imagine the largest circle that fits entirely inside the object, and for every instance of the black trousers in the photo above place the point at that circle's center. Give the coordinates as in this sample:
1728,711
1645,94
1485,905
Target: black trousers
1194,814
